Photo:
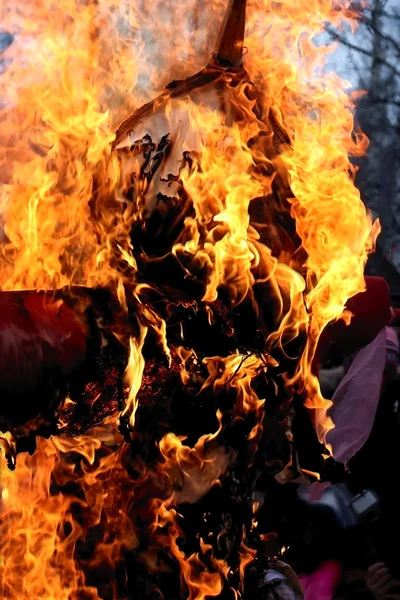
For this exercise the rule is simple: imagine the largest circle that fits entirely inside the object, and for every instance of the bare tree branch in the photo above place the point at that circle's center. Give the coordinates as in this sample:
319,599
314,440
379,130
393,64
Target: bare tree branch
389,39
336,36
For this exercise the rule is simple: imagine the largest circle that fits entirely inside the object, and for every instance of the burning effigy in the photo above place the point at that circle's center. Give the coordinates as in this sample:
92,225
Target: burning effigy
164,289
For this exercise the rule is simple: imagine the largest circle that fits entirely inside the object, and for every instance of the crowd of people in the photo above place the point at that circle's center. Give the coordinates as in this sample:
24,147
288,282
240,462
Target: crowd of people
348,547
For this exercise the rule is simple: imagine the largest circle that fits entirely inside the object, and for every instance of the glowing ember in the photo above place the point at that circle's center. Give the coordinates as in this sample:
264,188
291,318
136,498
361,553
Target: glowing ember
187,266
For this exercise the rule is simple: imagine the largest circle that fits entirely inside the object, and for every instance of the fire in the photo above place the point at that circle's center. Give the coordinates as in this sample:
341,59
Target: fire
42,522
240,175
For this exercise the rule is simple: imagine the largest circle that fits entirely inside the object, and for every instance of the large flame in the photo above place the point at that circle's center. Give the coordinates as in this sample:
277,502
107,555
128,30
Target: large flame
74,72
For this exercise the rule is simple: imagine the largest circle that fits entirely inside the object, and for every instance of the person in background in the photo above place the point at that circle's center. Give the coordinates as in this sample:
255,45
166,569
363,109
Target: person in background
368,382
364,400
381,584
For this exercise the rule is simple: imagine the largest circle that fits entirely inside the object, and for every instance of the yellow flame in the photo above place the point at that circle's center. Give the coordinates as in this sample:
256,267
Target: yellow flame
75,71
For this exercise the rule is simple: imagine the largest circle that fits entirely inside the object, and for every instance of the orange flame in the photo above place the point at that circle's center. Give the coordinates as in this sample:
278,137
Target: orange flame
75,71
42,524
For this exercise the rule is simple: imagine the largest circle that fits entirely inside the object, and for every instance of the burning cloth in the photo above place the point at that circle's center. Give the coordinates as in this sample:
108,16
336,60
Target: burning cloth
164,289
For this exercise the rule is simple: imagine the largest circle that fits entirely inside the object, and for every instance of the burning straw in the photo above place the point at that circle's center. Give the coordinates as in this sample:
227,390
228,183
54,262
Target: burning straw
164,288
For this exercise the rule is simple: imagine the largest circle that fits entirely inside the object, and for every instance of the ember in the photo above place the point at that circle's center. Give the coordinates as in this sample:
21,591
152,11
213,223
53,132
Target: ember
164,289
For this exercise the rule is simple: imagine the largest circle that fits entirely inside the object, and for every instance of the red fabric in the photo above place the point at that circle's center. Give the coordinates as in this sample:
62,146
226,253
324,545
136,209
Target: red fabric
37,334
371,313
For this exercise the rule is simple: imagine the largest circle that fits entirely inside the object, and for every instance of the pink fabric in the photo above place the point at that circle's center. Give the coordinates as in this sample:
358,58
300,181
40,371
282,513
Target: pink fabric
313,492
356,400
392,339
321,584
